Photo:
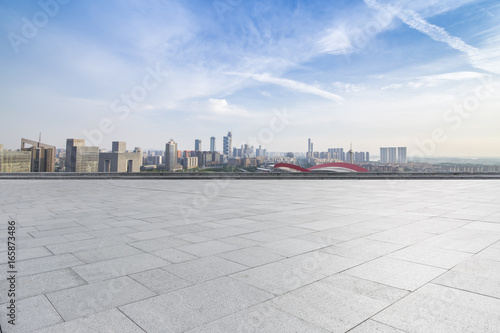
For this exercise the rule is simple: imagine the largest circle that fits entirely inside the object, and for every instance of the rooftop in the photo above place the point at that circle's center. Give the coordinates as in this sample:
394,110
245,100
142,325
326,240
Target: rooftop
229,255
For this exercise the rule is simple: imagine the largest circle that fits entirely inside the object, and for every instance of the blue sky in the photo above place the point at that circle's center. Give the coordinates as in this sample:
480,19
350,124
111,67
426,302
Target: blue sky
422,74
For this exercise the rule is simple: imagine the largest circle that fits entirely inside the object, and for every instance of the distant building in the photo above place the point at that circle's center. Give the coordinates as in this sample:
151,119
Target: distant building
80,158
190,162
119,160
197,145
310,149
402,158
216,157
43,156
228,144
171,156
153,160
212,144
390,155
14,161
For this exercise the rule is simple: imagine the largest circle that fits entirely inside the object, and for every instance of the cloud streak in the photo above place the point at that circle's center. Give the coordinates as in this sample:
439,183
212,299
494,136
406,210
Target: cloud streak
417,22
293,85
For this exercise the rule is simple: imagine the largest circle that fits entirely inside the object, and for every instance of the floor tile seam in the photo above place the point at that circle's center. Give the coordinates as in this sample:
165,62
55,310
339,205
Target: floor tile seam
53,307
263,303
20,275
137,324
464,290
351,329
154,292
427,265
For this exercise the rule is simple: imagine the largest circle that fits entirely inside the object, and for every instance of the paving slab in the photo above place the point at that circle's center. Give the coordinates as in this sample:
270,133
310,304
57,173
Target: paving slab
106,253
252,256
160,281
42,283
92,298
339,304
430,256
104,270
31,314
44,264
435,308
397,273
103,322
260,318
194,306
277,277
203,269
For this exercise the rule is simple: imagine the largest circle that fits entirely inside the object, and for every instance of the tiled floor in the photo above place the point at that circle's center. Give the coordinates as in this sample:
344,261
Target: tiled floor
253,255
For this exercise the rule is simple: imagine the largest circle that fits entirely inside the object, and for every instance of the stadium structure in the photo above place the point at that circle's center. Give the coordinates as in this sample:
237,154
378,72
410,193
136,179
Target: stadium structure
326,167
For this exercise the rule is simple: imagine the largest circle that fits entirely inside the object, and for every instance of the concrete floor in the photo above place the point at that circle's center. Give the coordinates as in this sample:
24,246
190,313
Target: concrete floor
253,255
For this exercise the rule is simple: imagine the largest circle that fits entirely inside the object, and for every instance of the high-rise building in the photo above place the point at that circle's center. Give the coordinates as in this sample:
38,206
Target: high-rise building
119,160
119,146
80,158
43,156
69,163
212,144
392,155
14,161
310,148
171,155
402,155
228,144
197,145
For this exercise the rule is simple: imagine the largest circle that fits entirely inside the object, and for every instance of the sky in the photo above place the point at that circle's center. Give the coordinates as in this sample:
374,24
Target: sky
375,73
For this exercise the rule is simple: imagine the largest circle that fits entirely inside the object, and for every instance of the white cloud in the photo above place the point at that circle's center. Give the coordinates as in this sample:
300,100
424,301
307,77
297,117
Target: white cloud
348,87
215,109
434,80
297,86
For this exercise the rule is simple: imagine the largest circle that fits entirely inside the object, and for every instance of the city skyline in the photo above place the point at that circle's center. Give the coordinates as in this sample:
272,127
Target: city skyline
381,73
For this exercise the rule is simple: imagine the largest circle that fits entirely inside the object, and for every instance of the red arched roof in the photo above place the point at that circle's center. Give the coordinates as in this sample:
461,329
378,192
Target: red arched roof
353,167
291,166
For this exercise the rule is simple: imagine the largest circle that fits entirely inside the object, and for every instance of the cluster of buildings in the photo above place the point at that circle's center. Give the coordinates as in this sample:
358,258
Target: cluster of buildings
390,155
36,156
244,156
333,155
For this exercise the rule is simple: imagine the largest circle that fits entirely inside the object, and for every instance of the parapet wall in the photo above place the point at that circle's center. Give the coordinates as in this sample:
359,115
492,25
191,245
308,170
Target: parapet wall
249,175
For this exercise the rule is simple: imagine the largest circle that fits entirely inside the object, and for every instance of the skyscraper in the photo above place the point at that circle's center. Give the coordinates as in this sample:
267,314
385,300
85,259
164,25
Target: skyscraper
383,155
197,145
228,144
391,151
171,155
393,155
212,144
402,155
43,156
80,158
70,144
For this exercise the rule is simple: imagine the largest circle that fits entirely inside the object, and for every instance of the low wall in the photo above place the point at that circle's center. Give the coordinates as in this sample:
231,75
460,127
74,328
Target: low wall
249,175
